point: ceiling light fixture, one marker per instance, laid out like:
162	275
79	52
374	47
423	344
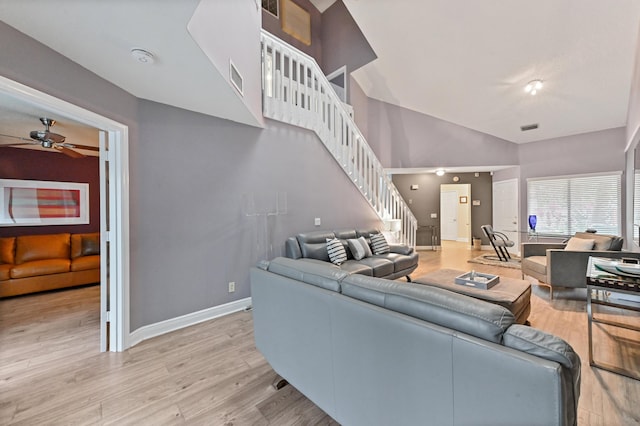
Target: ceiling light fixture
440	172
533	86
143	56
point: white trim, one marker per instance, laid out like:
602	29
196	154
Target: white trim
614	172
173	324
631	144
119	273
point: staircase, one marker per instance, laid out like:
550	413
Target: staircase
295	91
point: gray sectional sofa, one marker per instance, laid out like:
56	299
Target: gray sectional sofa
312	246
371	351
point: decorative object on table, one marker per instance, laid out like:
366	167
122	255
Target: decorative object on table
477	280
533	221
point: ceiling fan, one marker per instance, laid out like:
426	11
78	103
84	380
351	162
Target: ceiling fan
48	139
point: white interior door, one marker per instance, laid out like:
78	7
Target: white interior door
449	215
505	211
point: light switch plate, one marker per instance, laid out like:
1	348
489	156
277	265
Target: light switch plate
317	221
434	215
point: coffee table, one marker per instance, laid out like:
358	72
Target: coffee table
512	293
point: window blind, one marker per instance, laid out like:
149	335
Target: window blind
570	204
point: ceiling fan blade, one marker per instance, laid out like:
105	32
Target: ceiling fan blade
71	153
73	145
18	137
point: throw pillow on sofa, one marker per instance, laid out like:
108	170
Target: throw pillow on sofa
359	248
579	244
379	244
336	251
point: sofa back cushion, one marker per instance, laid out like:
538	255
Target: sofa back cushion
8	250
313	245
325	276
602	241
39	247
438	306
85	244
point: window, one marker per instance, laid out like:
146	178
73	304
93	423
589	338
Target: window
271	6
570	204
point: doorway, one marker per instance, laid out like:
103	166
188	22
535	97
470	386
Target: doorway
114	210
455	212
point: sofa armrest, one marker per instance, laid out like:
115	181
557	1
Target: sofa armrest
568	268
539	249
553	348
292	248
400	249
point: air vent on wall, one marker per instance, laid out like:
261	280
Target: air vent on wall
236	78
529	127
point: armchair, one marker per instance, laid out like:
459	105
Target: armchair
555	267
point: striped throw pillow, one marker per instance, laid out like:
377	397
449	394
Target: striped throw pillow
337	253
379	244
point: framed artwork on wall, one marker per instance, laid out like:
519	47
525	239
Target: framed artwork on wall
295	21
35	202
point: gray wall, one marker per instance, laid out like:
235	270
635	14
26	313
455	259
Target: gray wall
633	114
343	42
188	236
404	138
426	199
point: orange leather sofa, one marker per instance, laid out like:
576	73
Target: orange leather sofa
33	263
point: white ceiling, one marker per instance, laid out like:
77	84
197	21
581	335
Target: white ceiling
462	61
468	62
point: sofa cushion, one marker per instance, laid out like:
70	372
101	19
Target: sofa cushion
379	244
359	248
380	267
356	267
40	267
324	275
400	261
536	264
8	250
435	305
85	244
84	263
336	251
313	245
39	247
579	244
5	270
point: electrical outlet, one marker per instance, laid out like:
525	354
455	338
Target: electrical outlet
232	286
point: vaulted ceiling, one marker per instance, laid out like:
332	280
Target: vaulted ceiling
466	62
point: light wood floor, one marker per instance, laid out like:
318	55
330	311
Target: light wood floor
51	371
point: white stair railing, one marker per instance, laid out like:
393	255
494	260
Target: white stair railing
295	91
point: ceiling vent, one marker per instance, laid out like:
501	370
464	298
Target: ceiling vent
236	78
529	127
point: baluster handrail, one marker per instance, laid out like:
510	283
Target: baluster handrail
296	91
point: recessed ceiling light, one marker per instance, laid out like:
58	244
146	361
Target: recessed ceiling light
142	56
440	172
533	86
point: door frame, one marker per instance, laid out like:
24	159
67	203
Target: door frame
118	237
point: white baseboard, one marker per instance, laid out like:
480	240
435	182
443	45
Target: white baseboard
166	326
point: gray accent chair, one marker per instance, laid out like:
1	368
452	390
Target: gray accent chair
555	267
371	351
